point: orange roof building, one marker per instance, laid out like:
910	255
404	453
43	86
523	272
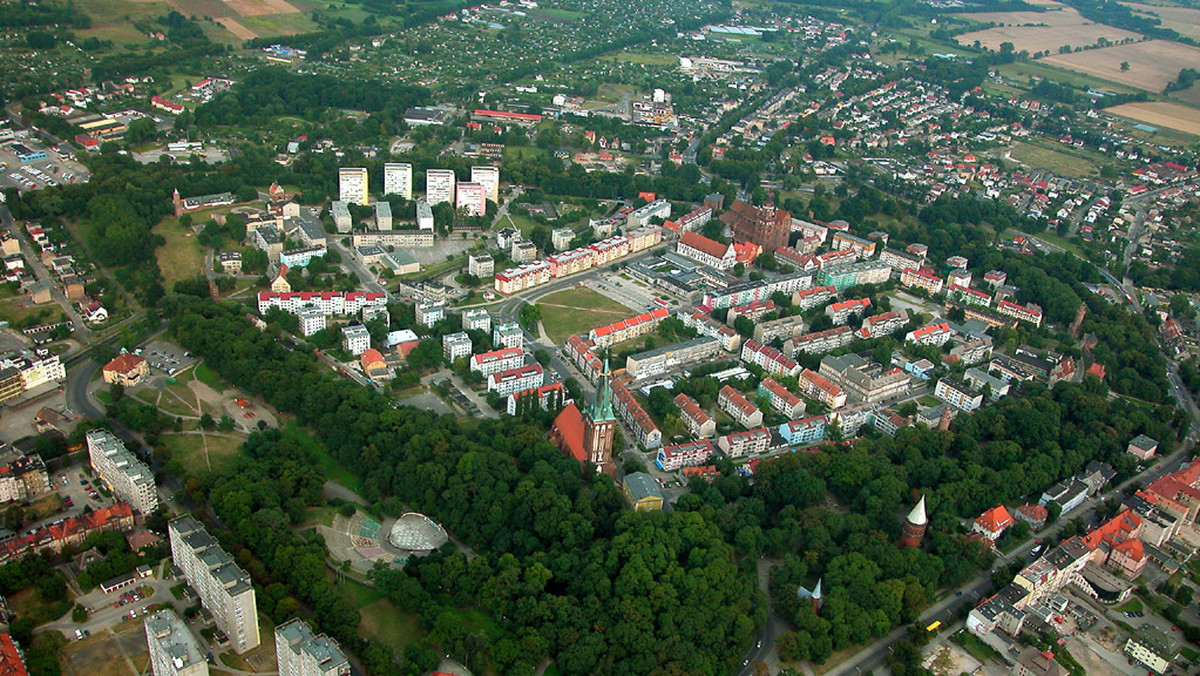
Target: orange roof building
992	523
11	663
374	365
126	369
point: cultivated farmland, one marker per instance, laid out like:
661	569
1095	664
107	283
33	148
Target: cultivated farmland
1152	64
1183	20
1035	32
1161	114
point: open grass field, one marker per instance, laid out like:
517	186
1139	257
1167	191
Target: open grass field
1152	64
384	622
1060	163
647	59
522	153
208	376
1023	72
261	659
113	19
1183	20
19	311
578	310
199	453
268	25
1038	31
180	258
1161	114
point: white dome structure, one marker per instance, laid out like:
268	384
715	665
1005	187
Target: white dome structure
415	532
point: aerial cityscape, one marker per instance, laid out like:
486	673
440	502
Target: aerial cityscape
581	337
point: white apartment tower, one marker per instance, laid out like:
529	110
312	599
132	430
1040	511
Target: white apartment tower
489	178
127	476
352	185
397	179
472	197
173	649
439	186
224	588
299	653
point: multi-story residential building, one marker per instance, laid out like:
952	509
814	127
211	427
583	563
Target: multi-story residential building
1010	369
383	216
660	360
831	259
628	329
550	397
883	324
958	394
343	221
504	359
425	218
561	238
328	302
23	479
356	339
476	319
397	179
799	256
311	320
783	328
641	216
472	197
780	398
489	178
300	653
749	442
439	186
698	423
960	278
968	296
1031	313
865	380
995	278
979	380
766	226
223	587
352	185
845	241
933	334
841	312
690	454
515	380
480	265
754	311
900	260
739	407
127	476
922	278
772	361
1045	576
173	649
809	229
816	386
811	298
456	345
748	292
429	313
507	335
523	251
706	251
705	325
846	275
630	412
1153	648
806	431
300	258
53	537
820	342
974	350
691	221
523	277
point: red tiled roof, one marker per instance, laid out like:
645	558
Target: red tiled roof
11	663
995	519
701	243
568	430
124	363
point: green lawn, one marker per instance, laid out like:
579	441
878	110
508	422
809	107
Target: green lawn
209	377
180	257
267	25
648	59
978	649
512	153
522	223
188	449
384	622
929	400
578	310
329	467
1133	606
1059	162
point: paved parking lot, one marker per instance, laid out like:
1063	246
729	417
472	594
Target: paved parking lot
167	358
36	174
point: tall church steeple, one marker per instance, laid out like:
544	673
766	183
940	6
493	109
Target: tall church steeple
600	425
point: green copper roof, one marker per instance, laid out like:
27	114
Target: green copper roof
602	408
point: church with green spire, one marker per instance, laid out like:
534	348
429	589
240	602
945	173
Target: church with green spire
588	435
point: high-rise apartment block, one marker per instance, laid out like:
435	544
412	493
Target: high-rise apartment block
173	649
489	178
397	179
299	653
224	588
472	197
352	185
439	186
128	477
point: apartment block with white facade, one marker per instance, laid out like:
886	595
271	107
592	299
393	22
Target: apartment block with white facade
958	394
223	587
471	197
128	477
476	319
356	339
298	652
397	179
352	185
173	649
455	345
489	178
515	380
439	186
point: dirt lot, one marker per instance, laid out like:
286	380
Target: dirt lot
1183	20
1152	64
1038	31
120	653
1161	114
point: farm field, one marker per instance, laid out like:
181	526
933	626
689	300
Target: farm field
1161	114
114	19
578	310
1039	31
247	19
1183	20
1152	64
267	25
